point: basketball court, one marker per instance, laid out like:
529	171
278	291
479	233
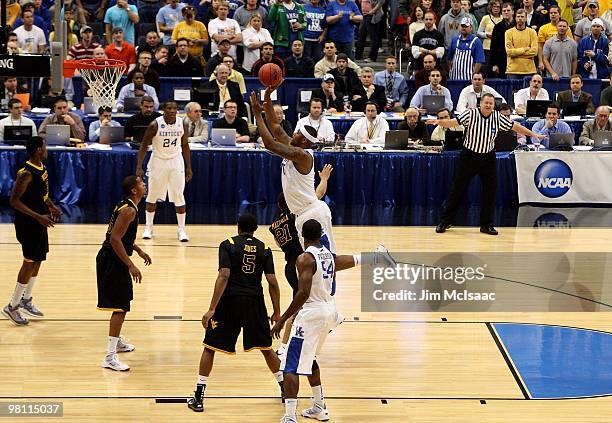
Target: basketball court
399	367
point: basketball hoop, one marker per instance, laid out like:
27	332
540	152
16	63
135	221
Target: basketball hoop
102	76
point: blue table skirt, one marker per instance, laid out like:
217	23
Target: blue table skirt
245	177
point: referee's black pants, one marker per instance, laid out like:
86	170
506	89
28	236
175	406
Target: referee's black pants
472	164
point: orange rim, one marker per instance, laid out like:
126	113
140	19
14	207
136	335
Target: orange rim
71	65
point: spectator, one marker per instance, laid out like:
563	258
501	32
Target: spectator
120	49
550	125
367	91
31	39
434	88
328	62
105	118
71	38
182	63
289	21
465	55
224	28
333	99
341	15
417	130
13	48
548	31
148	9
234	76
193	31
254	36
488	22
560	54
583	27
417	19
533	92
231	120
507	111
137	88
267	56
151	42
421	77
590	127
61	116
136	125
427	41
217	59
151	77
316	30
521	47
499	56
298	65
439	132
576	95
16	118
470	95
211	13
122	15
197	125
41	23
605	99
593	53
324	128
13	11
451	22
370	129
167	18
244	13
534	19
160	62
99	53
346	79
394	83
225	90
566	11
84	49
373	14
466	6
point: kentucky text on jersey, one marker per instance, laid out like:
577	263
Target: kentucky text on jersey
163	133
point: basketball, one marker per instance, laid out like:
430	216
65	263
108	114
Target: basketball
270	75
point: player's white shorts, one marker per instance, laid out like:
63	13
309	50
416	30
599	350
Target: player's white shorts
308	333
320	212
166	178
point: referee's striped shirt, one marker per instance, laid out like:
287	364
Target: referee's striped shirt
481	131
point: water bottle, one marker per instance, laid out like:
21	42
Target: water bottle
347	104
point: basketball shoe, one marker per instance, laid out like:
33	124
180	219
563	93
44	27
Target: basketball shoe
196	403
123	346
12	313
316	412
148	232
30	308
111	362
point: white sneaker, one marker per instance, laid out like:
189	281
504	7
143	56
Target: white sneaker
148	232
316	412
182	235
288	419
111	362
123	346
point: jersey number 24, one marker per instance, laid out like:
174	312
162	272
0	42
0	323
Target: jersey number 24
168	142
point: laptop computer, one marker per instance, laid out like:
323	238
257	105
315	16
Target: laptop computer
506	141
537	108
57	135
223	137
88	106
112	135
561	141
602	139
17	135
453	140
577	108
396	140
131	104
433	103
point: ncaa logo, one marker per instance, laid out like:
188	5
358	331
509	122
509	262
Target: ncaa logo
553	178
163	125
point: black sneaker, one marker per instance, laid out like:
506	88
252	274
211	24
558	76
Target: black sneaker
195	403
442	227
489	230
282	388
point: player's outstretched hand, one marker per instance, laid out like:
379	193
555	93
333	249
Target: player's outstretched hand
276	329
255	103
145	257
136	275
188	175
209	314
268	94
45	220
325	173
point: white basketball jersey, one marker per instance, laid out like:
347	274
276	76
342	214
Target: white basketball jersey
321	289
299	189
167	140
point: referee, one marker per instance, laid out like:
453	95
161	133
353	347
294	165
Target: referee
477	158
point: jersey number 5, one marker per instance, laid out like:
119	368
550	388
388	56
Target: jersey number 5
248	263
168	143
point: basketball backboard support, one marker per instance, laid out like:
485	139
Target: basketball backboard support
58	49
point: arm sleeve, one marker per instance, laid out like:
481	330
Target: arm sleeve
464	118
505	124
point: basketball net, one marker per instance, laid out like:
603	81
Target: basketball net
101	75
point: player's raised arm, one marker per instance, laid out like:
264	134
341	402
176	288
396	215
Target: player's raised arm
324	174
274	124
124	218
186	152
144	145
